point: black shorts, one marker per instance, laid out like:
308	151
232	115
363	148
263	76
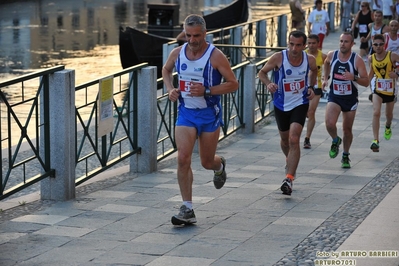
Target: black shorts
285	118
385	98
347	104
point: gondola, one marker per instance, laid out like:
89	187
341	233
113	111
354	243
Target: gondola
136	46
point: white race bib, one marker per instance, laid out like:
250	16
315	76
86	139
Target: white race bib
185	83
342	87
385	86
362	28
293	85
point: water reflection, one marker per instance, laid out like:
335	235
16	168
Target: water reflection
35	34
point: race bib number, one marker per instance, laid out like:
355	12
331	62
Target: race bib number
185	83
342	87
293	85
363	28
385	86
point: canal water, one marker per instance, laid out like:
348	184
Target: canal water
84	34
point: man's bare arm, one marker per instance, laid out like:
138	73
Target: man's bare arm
313	70
363	77
167	71
327	68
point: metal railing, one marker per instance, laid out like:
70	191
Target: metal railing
167	115
26	116
94	153
232	110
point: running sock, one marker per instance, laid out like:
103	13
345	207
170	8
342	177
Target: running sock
189	204
220	170
335	140
289	176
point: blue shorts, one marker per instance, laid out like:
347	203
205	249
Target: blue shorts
204	120
347	104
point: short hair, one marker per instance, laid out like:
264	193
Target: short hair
319	2
314	37
378	12
298	34
350	34
379	37
195	20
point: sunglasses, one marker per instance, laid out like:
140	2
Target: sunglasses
378	44
363	5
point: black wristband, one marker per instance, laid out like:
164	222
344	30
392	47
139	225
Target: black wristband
311	87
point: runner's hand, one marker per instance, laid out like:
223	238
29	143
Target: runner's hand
310	94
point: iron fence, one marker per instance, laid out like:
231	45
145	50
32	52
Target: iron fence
95	153
24	118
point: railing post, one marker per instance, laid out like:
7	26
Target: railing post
146	161
261	37
282	30
331	15
249	98
62	137
237	40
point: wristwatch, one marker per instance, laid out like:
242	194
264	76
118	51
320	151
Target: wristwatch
355	78
207	91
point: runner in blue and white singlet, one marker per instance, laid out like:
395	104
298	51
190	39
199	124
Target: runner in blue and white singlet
292	80
201	69
295	74
198	71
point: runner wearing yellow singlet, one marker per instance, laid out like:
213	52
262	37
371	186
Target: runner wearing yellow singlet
313	43
383	84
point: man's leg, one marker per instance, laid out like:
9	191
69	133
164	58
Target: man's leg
284	144
290	146
377	102
389	113
347	123
321	39
207	145
185	140
312	116
389	116
294	150
332	113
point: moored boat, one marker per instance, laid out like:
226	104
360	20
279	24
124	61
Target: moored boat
136	46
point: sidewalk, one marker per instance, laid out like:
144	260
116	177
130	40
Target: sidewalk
125	219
